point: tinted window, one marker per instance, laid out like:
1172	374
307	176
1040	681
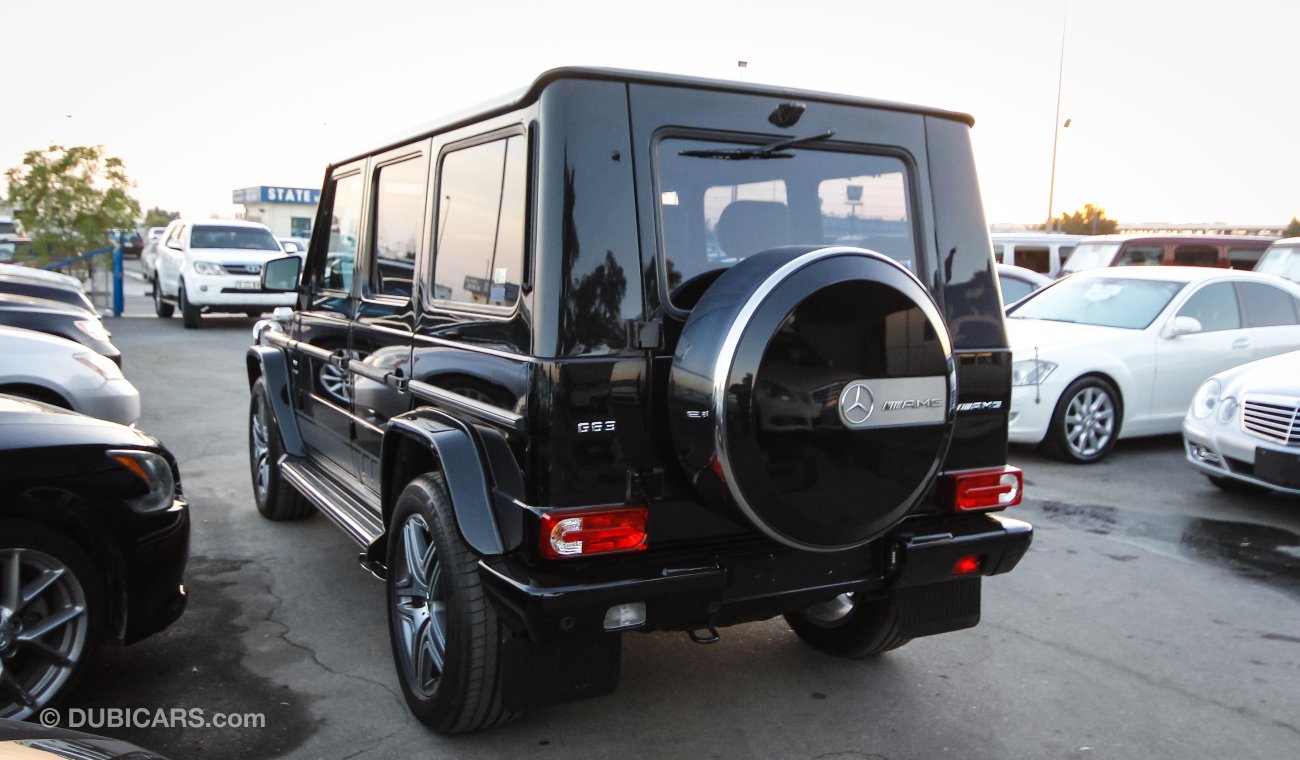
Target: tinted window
1196	256
399	224
997	252
243	238
714	212
479	239
1037	258
345	227
1013	289
1214	306
1244	258
1266	305
1102	301
1140	256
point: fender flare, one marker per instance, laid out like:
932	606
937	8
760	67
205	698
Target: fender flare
468	461
271	364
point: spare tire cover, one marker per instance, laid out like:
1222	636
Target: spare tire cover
812	390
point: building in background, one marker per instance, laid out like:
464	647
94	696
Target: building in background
288	211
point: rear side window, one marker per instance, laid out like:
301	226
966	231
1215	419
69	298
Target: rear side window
399	225
1196	256
1214	306
1266	306
1141	256
1037	258
715	211
479	237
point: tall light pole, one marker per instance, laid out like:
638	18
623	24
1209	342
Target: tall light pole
1056	123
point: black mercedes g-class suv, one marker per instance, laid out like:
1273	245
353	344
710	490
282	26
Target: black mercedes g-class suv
632	352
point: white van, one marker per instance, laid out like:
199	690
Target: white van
1043	252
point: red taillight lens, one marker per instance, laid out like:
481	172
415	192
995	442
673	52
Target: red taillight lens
584	533
967	565
987	489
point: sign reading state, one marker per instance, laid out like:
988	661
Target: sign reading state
264	194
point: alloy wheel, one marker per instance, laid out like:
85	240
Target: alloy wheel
44	626
260	438
1089	422
420	607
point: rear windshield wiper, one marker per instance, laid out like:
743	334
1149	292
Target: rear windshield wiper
760	151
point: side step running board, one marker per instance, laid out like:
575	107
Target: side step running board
357	520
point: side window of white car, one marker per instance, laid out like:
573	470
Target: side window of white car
1214	306
1267	306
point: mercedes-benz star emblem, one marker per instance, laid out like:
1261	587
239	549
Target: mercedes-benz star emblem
856	403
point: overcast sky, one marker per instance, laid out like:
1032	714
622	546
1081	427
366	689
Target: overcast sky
1180	111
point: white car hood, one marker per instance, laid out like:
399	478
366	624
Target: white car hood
1024	335
1275	375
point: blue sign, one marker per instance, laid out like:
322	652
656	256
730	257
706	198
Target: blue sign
265	194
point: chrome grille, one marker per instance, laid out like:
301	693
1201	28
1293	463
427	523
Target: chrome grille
242	268
1274	419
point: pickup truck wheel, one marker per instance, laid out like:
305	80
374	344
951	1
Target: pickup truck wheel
161	307
190	314
849	626
444	631
51	613
275	498
1085	424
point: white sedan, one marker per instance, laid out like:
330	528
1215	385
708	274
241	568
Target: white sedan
1243	428
1119	353
59	372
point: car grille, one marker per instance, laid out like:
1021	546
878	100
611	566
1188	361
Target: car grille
242	268
1276	419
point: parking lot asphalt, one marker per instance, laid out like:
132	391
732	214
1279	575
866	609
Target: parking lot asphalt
1154	617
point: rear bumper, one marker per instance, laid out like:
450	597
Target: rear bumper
689	591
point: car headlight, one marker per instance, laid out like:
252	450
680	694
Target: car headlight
106	368
155	472
1206	399
1227	410
94	328
207	267
1031	371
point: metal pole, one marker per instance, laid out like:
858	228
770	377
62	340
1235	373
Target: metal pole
1056	125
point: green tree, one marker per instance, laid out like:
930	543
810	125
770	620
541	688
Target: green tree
1089	221
1292	229
69	198
157	217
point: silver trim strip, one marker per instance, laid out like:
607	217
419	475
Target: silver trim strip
360	529
467	405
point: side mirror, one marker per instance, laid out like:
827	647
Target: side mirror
1183	326
281	274
174	244
290	247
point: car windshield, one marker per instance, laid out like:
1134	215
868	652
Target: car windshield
244	238
721	201
1091	256
1283	261
1102	301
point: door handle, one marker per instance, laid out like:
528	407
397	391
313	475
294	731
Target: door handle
1241	343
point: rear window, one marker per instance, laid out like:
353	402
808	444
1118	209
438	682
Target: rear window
242	238
1196	256
1035	257
715	211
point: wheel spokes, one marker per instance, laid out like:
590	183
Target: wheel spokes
57	620
9	594
38	585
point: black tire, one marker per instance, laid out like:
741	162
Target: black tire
45	681
275	498
190	314
161	307
1232	485
442	595
849	626
1086	422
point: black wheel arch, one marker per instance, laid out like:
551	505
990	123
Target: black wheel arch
272	366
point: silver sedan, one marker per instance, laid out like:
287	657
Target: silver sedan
57	371
1243	428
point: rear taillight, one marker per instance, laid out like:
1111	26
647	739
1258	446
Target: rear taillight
980	490
596	531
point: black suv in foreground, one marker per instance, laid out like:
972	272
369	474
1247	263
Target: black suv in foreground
631	352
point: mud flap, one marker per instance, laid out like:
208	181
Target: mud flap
938	607
535	674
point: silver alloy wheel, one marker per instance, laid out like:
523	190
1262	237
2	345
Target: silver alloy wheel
1089	422
260	438
420	607
44	626
831	613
